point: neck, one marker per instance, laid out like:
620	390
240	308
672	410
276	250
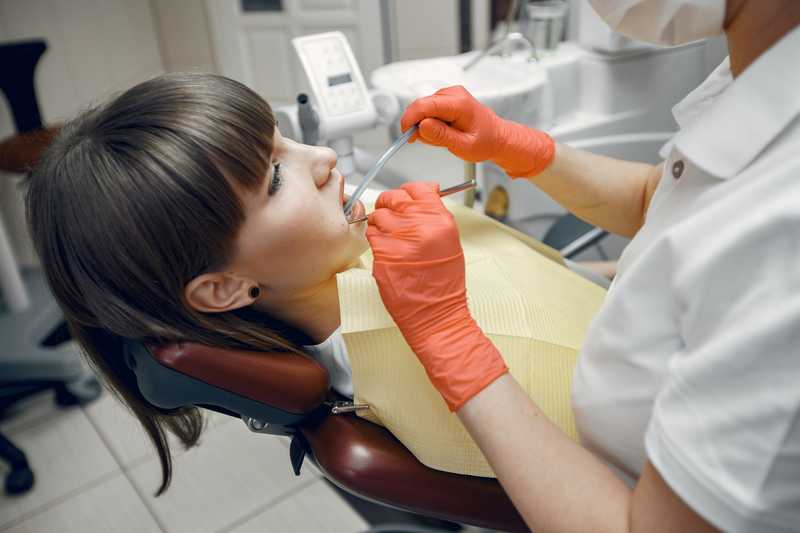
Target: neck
753	26
314	311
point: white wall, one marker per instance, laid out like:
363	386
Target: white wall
429	28
481	17
183	35
95	48
424	28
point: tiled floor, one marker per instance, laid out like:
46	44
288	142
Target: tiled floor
95	472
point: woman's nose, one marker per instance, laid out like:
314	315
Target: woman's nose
324	162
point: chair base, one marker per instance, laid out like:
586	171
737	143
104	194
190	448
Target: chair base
35	358
20	479
24	355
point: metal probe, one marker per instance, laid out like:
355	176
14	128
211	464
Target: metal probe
444	192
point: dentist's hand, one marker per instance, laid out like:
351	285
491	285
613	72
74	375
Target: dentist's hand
453	118
419	267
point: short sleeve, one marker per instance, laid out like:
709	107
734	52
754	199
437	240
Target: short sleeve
724	432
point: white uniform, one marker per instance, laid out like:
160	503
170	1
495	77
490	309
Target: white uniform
694	360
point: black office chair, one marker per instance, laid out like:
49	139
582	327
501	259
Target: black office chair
31	360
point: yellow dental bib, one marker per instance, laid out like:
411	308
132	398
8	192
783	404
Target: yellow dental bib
534	309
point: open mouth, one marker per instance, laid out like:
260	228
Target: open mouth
358	209
357	212
342	198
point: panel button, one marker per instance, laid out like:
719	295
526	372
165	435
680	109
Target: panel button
677	169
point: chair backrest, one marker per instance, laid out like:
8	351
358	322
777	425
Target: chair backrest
276	388
19	60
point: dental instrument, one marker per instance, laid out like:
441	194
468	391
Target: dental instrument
444	192
309	120
403	139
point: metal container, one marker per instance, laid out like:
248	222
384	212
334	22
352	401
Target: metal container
545	22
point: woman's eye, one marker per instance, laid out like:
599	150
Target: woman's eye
275	182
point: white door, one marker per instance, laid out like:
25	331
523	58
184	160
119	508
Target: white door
252	39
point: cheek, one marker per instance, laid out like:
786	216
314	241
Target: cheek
312	241
321	223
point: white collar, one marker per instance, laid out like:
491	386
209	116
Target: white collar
725	124
324	345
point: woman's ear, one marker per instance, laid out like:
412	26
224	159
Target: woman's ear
218	292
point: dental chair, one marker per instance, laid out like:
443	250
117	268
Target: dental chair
289	394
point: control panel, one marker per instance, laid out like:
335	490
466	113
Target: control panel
340	95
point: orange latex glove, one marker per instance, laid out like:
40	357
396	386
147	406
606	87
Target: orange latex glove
419	267
453	118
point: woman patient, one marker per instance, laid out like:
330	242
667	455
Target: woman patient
177	211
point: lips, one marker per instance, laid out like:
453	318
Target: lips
342	196
358	210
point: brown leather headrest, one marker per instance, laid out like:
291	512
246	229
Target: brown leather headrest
288	381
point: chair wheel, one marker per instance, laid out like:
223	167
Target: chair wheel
19	481
81	393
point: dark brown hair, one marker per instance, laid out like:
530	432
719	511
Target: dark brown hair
135	198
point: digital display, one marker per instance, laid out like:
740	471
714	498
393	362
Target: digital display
339	79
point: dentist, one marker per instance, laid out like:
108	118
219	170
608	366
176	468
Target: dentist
687	390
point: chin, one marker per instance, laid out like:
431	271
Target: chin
353	258
358	231
360	244
364	244
357	244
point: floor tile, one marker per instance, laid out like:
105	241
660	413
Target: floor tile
315	508
65	454
232	473
119	429
124	435
30	411
109	506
